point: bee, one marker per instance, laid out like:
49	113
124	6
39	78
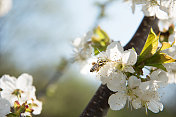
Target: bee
98	65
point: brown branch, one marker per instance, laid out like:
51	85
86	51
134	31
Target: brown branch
142	32
98	105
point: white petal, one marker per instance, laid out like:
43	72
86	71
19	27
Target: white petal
5	6
159	79
24	81
28	94
163	79
136	103
104	73
161	14
114	51
77	42
117	101
128	69
172	37
154	74
172	77
129	57
8	82
117	45
164	25
117	82
148	11
26	114
37	109
144	85
155	106
133	82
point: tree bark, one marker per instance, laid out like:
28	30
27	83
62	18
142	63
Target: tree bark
98	105
139	38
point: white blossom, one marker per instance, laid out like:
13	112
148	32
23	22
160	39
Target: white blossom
138	95
164	10
14	89
82	47
5	6
118	62
157	80
20	89
169	6
153	9
118	100
116	81
151	100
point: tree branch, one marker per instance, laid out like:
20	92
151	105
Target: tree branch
98	105
139	38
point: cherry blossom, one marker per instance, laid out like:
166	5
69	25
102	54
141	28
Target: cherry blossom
82	49
118	100
5	6
20	91
118	62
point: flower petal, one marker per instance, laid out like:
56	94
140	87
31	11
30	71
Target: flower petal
114	51
117	101
24	81
136	103
117	82
145	85
104	72
129	57
8	82
38	108
155	106
128	69
133	82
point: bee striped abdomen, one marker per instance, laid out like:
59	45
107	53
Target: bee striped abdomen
97	66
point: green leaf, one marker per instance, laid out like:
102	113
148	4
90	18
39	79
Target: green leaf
158	59
165	45
150	46
11	115
100	40
166	58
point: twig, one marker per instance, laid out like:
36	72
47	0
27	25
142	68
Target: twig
60	70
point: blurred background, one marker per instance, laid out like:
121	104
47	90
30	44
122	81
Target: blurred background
36	38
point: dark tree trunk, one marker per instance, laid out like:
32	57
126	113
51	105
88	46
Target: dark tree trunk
98	105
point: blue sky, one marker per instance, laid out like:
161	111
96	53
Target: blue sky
44	29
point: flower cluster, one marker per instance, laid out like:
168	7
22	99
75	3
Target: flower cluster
92	43
122	71
164	10
119	75
18	96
